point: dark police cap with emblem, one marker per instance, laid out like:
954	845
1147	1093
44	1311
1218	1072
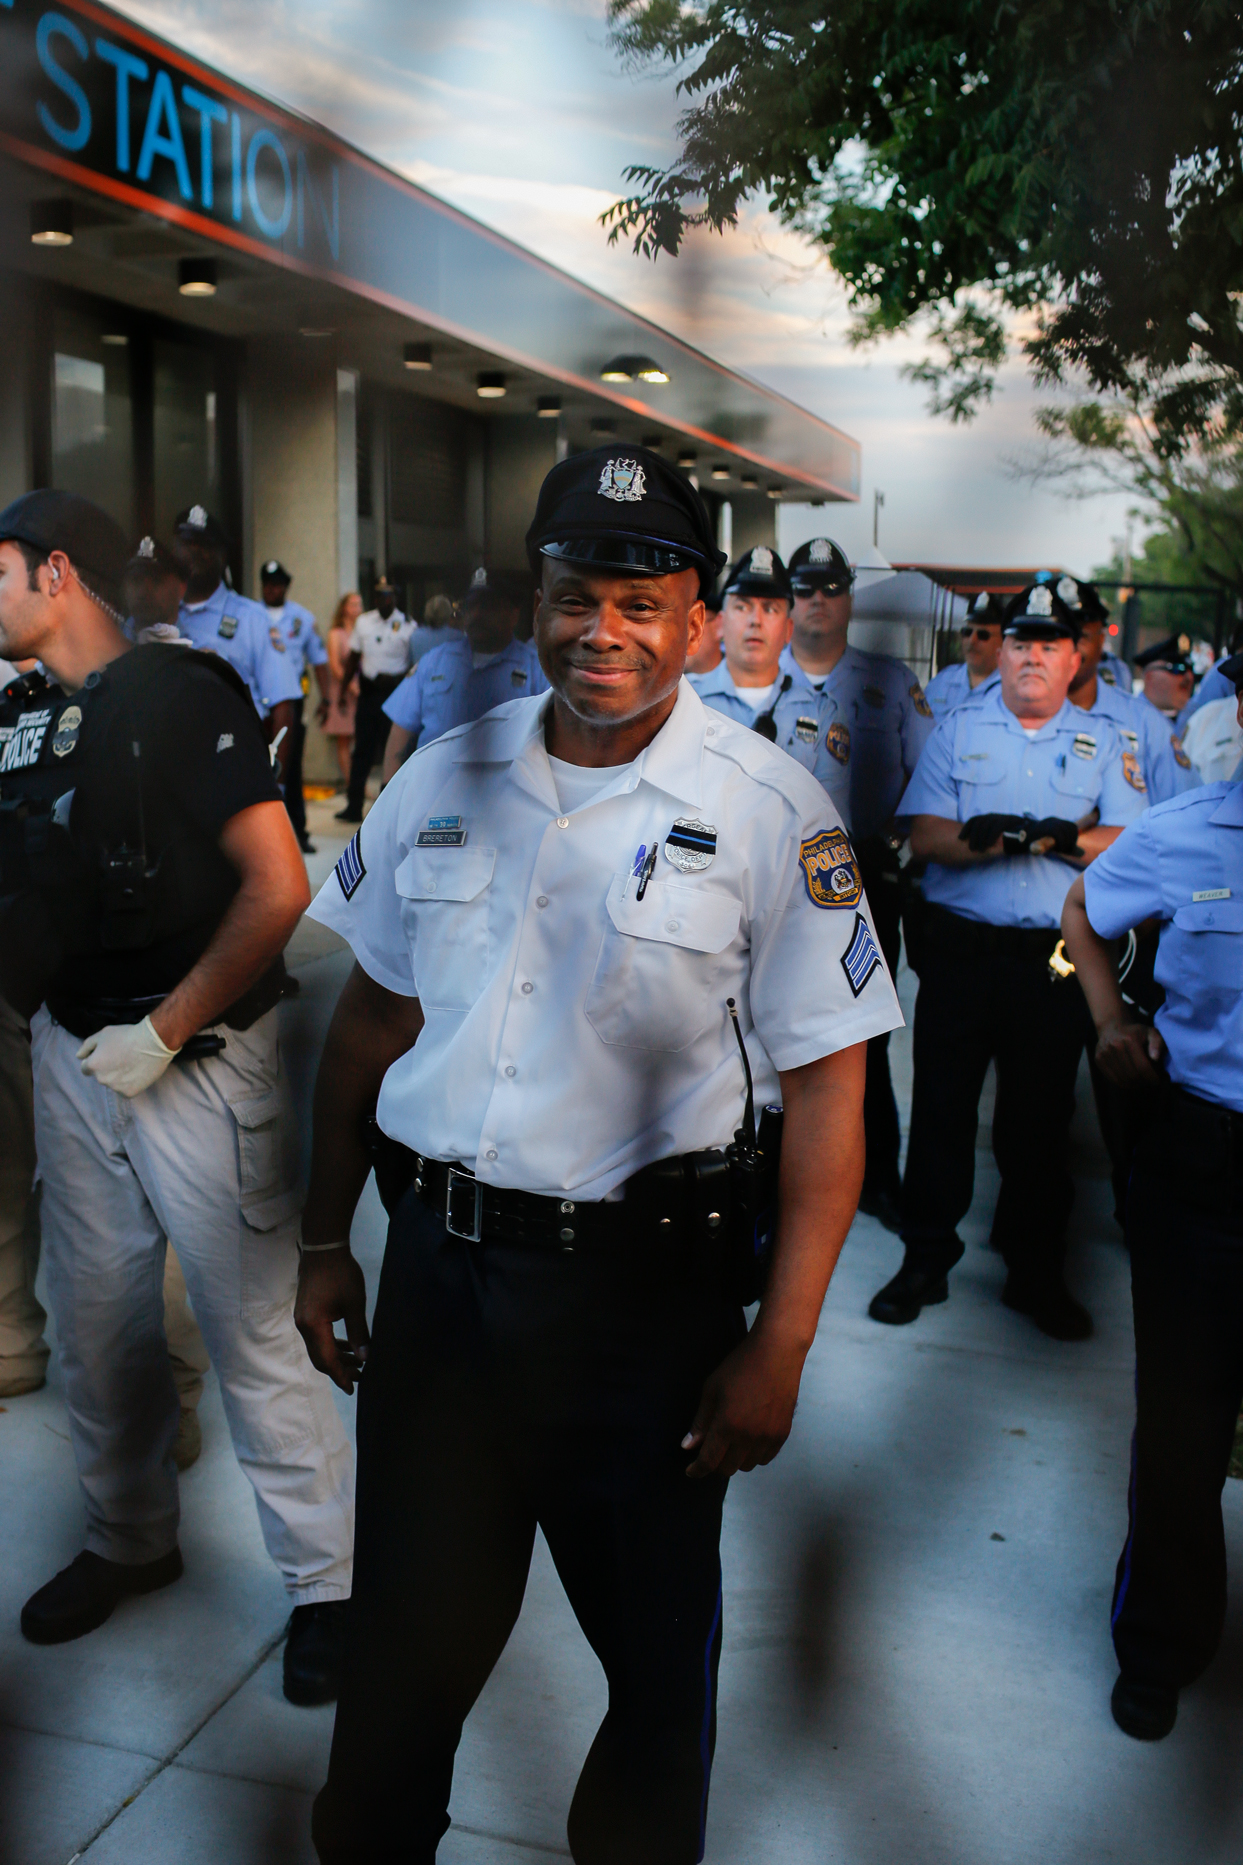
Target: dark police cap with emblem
274	572
498	586
985	609
48	521
197	526
1232	669
1038	613
154	559
820	564
623	508
758	572
1083	598
1174	652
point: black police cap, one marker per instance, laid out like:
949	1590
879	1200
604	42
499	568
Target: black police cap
48	521
1082	598
623	508
986	608
197	526
758	572
820	564
152	558
1038	613
1174	652
500	585
1232	669
274	572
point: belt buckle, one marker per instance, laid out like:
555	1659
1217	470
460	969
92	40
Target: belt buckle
464	1193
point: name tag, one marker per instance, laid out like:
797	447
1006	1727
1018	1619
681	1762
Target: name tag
441	838
1212	893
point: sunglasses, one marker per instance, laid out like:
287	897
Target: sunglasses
980	631
829	589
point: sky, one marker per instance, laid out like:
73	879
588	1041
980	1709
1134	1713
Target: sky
521	113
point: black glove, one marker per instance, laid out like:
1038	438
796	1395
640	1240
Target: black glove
980	832
1063	835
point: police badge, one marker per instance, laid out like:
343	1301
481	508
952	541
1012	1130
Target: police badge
67	728
761	561
837	742
690	845
622	480
830	870
277	639
806	730
228	627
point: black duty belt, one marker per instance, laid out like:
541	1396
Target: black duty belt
1202	1121
955	936
86	1016
657	1198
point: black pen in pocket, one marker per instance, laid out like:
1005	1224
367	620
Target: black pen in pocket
645	872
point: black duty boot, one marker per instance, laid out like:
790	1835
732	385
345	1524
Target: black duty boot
884	1203
920	1283
313	1652
1050	1304
1145	1711
84	1594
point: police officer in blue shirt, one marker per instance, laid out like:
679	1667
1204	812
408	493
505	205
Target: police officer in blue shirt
1010	797
976	673
881	725
1157	763
292	631
1214	685
750	684
1181	863
467	675
216	617
1169	677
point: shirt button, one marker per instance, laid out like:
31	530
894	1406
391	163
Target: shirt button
431	887
711	732
491	1153
671	925
511	1070
542	900
527	989
563	822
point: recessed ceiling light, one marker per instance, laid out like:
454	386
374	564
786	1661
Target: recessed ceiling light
51	223
417	356
115	338
775	492
749	481
687	459
196	278
548	407
489	385
720	472
314	330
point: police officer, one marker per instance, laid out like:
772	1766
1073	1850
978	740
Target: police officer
1182	864
468	674
1154	760
439	625
1214	685
710	650
976	672
559	902
750	684
292	631
880	727
380	648
1169	677
1011	795
214	616
151	881
153	589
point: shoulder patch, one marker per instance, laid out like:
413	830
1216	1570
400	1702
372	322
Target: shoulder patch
920	701
1132	772
351	870
837	742
860	959
1180	756
830	871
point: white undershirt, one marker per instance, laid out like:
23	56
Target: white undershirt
482	660
580	783
757	697
1032	731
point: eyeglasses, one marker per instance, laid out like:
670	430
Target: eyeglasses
980	631
829	589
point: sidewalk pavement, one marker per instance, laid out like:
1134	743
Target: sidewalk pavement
916	1660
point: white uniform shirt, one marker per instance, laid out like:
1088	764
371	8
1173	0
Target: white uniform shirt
383	644
1214	740
575	1033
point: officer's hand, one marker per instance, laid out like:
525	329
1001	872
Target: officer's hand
982	834
331	1288
127	1057
746	1409
1054	835
321	712
1131	1054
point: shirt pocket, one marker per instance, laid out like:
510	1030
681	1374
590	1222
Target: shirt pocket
446	897
1209	943
654	978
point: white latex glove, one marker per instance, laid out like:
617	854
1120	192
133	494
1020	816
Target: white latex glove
125	1056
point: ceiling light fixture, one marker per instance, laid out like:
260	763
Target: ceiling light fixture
775	492
315	330
196	278
686	460
749	481
548	407
489	385
115	339
417	355
51	223
720	472
633	369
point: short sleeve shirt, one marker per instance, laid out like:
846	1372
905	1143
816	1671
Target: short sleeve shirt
980	762
881	725
952	687
238	630
575	1032
803	719
1182	863
295	627
1213	686
1165	768
382	643
1214	741
447	689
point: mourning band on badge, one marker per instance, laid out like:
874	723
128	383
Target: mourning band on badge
1084	745
690	845
860	959
350	869
830	871
228	627
807	730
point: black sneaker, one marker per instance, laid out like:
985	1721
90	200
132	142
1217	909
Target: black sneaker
307	846
88	1591
347	815
1145	1711
313	1652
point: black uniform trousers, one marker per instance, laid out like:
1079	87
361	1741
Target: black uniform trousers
1184	1227
506	1388
295	742
880	870
985	994
371	729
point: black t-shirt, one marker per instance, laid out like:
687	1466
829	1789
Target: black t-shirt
167	748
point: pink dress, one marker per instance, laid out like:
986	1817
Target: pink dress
341	707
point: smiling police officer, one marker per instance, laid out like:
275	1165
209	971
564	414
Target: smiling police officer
560	903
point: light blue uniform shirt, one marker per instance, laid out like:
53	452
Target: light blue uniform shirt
882	723
296	627
447	689
1182	863
952	686
1146	734
1114	673
237	629
424	639
1213	686
1177	724
980	762
802	717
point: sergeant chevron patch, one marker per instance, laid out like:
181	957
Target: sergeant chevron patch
860	959
350	870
